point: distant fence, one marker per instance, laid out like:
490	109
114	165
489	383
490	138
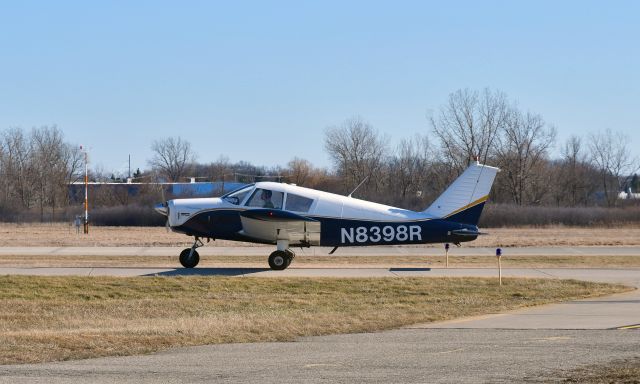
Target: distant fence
494	215
130	215
171	190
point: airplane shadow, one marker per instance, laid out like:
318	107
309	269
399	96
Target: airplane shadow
209	272
409	269
242	271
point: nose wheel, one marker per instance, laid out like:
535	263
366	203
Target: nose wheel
189	257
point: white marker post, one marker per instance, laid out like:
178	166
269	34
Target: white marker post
498	255
446	253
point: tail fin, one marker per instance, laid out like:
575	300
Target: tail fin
463	201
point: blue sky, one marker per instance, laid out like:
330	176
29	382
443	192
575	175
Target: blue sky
260	81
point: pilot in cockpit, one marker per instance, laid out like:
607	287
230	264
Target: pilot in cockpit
266	199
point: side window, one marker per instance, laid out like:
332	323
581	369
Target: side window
298	203
265	198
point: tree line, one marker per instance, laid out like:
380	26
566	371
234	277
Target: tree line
38	165
483	125
36	168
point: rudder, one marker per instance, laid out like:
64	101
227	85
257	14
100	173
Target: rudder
464	199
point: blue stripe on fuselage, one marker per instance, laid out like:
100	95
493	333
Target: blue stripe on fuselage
225	224
345	232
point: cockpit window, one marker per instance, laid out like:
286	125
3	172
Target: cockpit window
237	196
266	198
298	203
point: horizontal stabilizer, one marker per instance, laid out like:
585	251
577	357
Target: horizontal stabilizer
466	232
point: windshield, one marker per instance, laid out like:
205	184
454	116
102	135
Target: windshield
236	197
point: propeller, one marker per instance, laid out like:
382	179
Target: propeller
166	204
167	226
163	208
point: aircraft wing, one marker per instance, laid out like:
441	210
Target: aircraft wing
271	225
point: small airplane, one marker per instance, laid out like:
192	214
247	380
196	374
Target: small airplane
287	216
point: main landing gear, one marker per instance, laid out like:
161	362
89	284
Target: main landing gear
282	257
189	257
278	260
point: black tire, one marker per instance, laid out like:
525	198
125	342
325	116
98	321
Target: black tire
189	262
279	260
291	255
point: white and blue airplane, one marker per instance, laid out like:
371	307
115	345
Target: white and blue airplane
287	216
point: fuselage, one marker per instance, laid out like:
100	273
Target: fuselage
343	221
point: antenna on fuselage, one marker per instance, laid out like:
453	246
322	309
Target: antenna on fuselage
359	185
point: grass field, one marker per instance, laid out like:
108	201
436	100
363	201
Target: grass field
50	235
59	318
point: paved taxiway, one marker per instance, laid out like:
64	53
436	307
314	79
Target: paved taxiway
323	251
400	356
517	346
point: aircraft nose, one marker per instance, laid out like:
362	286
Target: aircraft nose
162	208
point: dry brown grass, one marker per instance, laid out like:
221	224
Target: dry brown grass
559	236
59	318
50	235
58	235
68	261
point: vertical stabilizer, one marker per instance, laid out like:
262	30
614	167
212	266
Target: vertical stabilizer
464	199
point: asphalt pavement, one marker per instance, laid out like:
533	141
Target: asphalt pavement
260	250
400	356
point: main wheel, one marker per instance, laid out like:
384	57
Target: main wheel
189	261
291	255
279	260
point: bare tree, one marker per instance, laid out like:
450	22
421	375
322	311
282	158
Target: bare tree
47	147
17	167
522	153
219	170
571	173
299	171
611	156
410	165
357	151
172	157
467	126
574	181
36	169
55	164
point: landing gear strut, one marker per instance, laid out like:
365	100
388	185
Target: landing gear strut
189	257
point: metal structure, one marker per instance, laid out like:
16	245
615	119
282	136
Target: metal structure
86	190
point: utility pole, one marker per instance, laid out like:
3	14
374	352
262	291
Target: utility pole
86	191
